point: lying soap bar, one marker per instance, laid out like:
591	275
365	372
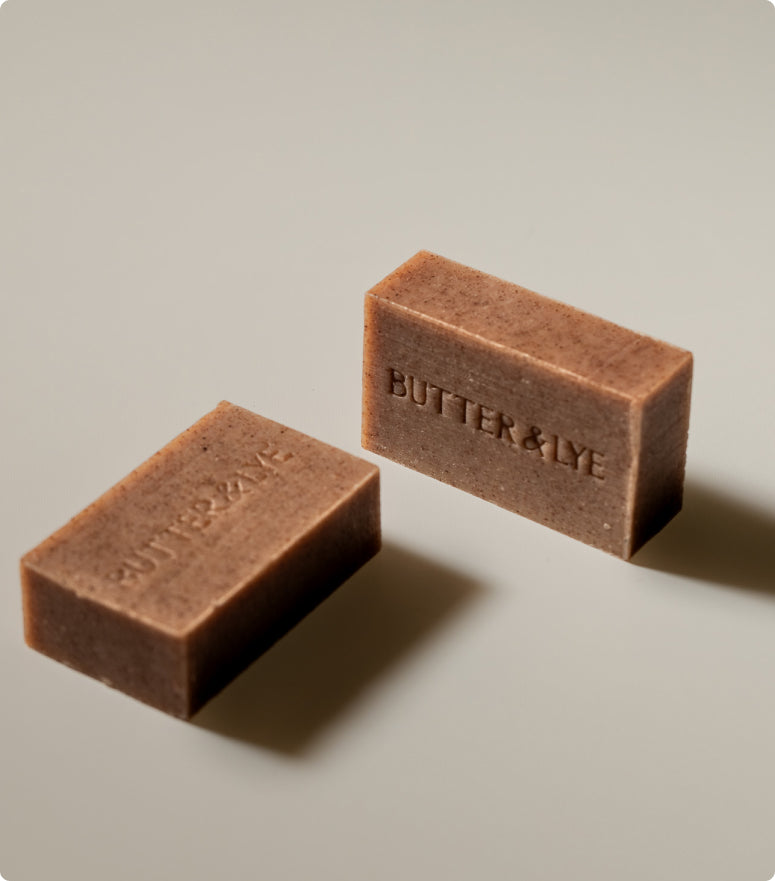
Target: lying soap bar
543	409
181	574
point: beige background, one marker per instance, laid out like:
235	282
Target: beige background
193	198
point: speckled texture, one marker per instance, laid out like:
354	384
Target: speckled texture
543	409
181	574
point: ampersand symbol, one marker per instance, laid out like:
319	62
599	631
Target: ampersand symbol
534	441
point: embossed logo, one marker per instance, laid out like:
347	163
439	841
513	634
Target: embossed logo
551	448
204	510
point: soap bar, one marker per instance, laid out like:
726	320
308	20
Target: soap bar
184	572
551	412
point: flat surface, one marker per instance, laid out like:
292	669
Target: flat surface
530	324
194	198
238	489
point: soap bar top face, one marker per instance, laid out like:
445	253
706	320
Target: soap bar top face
595	351
543	409
194	524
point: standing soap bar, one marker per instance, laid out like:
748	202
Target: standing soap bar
173	581
543	409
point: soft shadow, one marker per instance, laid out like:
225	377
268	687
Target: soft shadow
288	697
718	538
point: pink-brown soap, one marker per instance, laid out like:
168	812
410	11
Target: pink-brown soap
558	415
179	576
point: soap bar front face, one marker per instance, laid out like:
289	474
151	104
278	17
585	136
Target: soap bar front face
179	576
545	410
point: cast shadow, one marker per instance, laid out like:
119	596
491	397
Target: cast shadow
717	538
290	695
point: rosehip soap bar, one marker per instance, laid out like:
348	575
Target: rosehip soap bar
184	572
543	409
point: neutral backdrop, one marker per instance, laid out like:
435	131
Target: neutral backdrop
193	198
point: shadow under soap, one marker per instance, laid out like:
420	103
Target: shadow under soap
286	699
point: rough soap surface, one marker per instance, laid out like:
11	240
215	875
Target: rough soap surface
181	574
543	409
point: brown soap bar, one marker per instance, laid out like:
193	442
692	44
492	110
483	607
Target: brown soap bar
543	409
180	575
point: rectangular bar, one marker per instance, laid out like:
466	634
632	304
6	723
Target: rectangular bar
548	411
179	576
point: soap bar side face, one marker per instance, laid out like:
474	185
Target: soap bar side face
662	461
120	651
499	425
290	588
